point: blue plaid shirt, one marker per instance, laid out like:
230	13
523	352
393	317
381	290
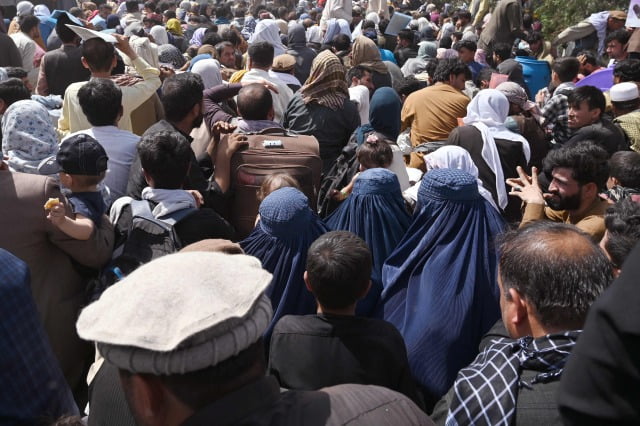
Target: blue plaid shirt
556	113
33	388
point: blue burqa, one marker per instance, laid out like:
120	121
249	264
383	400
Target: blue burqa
439	285
286	229
375	211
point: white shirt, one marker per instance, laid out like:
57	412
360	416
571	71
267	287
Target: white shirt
281	99
74	120
360	95
27	48
120	146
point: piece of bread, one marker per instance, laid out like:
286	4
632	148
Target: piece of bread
51	202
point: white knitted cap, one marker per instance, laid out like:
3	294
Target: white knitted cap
180	313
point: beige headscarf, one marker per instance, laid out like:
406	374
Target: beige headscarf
365	53
326	84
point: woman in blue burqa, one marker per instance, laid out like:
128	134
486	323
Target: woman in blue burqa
439	284
375	211
286	229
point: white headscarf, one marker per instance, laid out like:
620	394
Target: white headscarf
487	112
268	30
28	136
314	35
335	27
145	49
159	35
41	10
209	70
24	8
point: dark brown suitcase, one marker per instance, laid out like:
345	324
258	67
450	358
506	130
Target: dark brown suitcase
297	155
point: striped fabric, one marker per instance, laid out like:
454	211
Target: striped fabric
326	84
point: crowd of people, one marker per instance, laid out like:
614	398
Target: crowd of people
458	247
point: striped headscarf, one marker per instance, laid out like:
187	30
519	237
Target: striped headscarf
326	84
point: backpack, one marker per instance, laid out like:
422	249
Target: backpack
148	238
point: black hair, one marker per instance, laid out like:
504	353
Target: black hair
408	85
408	35
567	68
534	36
211	38
28	22
65	33
621	35
622	222
366	24
383	24
98	53
446	42
76	11
341	42
357	72
232	36
627	70
448	67
254	102
16	72
221	46
467	44
589	57
170	14
374	153
13	90
165	156
101	101
502	50
484	75
261	54
180	93
556	268
150	5
464	14
589	94
338	269
132	6
625	167
587	160
430	67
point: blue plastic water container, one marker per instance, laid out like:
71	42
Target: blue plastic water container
537	74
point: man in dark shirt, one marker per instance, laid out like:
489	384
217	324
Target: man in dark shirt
586	105
165	158
406	47
334	347
545	294
63	66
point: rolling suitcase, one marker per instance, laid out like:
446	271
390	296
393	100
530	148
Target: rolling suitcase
271	151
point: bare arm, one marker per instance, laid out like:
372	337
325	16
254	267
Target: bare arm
79	228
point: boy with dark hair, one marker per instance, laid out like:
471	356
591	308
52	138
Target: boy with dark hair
81	164
616	46
314	351
101	102
505	64
100	58
466	50
622	221
555	109
586	107
624	176
165	157
406	47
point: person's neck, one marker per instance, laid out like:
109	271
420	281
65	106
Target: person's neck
185	126
348	311
260	69
101	74
90	188
584	207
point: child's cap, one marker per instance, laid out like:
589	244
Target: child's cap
78	155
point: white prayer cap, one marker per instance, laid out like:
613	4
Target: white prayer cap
623	92
180	313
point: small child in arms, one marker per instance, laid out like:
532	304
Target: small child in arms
81	164
374	152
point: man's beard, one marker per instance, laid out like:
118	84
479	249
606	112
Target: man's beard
197	122
570	202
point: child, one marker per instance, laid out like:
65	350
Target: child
272	182
374	152
336	346
81	164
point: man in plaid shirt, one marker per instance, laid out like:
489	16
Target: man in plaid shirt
555	109
549	274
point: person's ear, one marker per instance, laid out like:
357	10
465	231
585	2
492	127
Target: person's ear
145	394
271	114
306	281
595	114
614	180
85	63
147	178
517	309
590	190
365	291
